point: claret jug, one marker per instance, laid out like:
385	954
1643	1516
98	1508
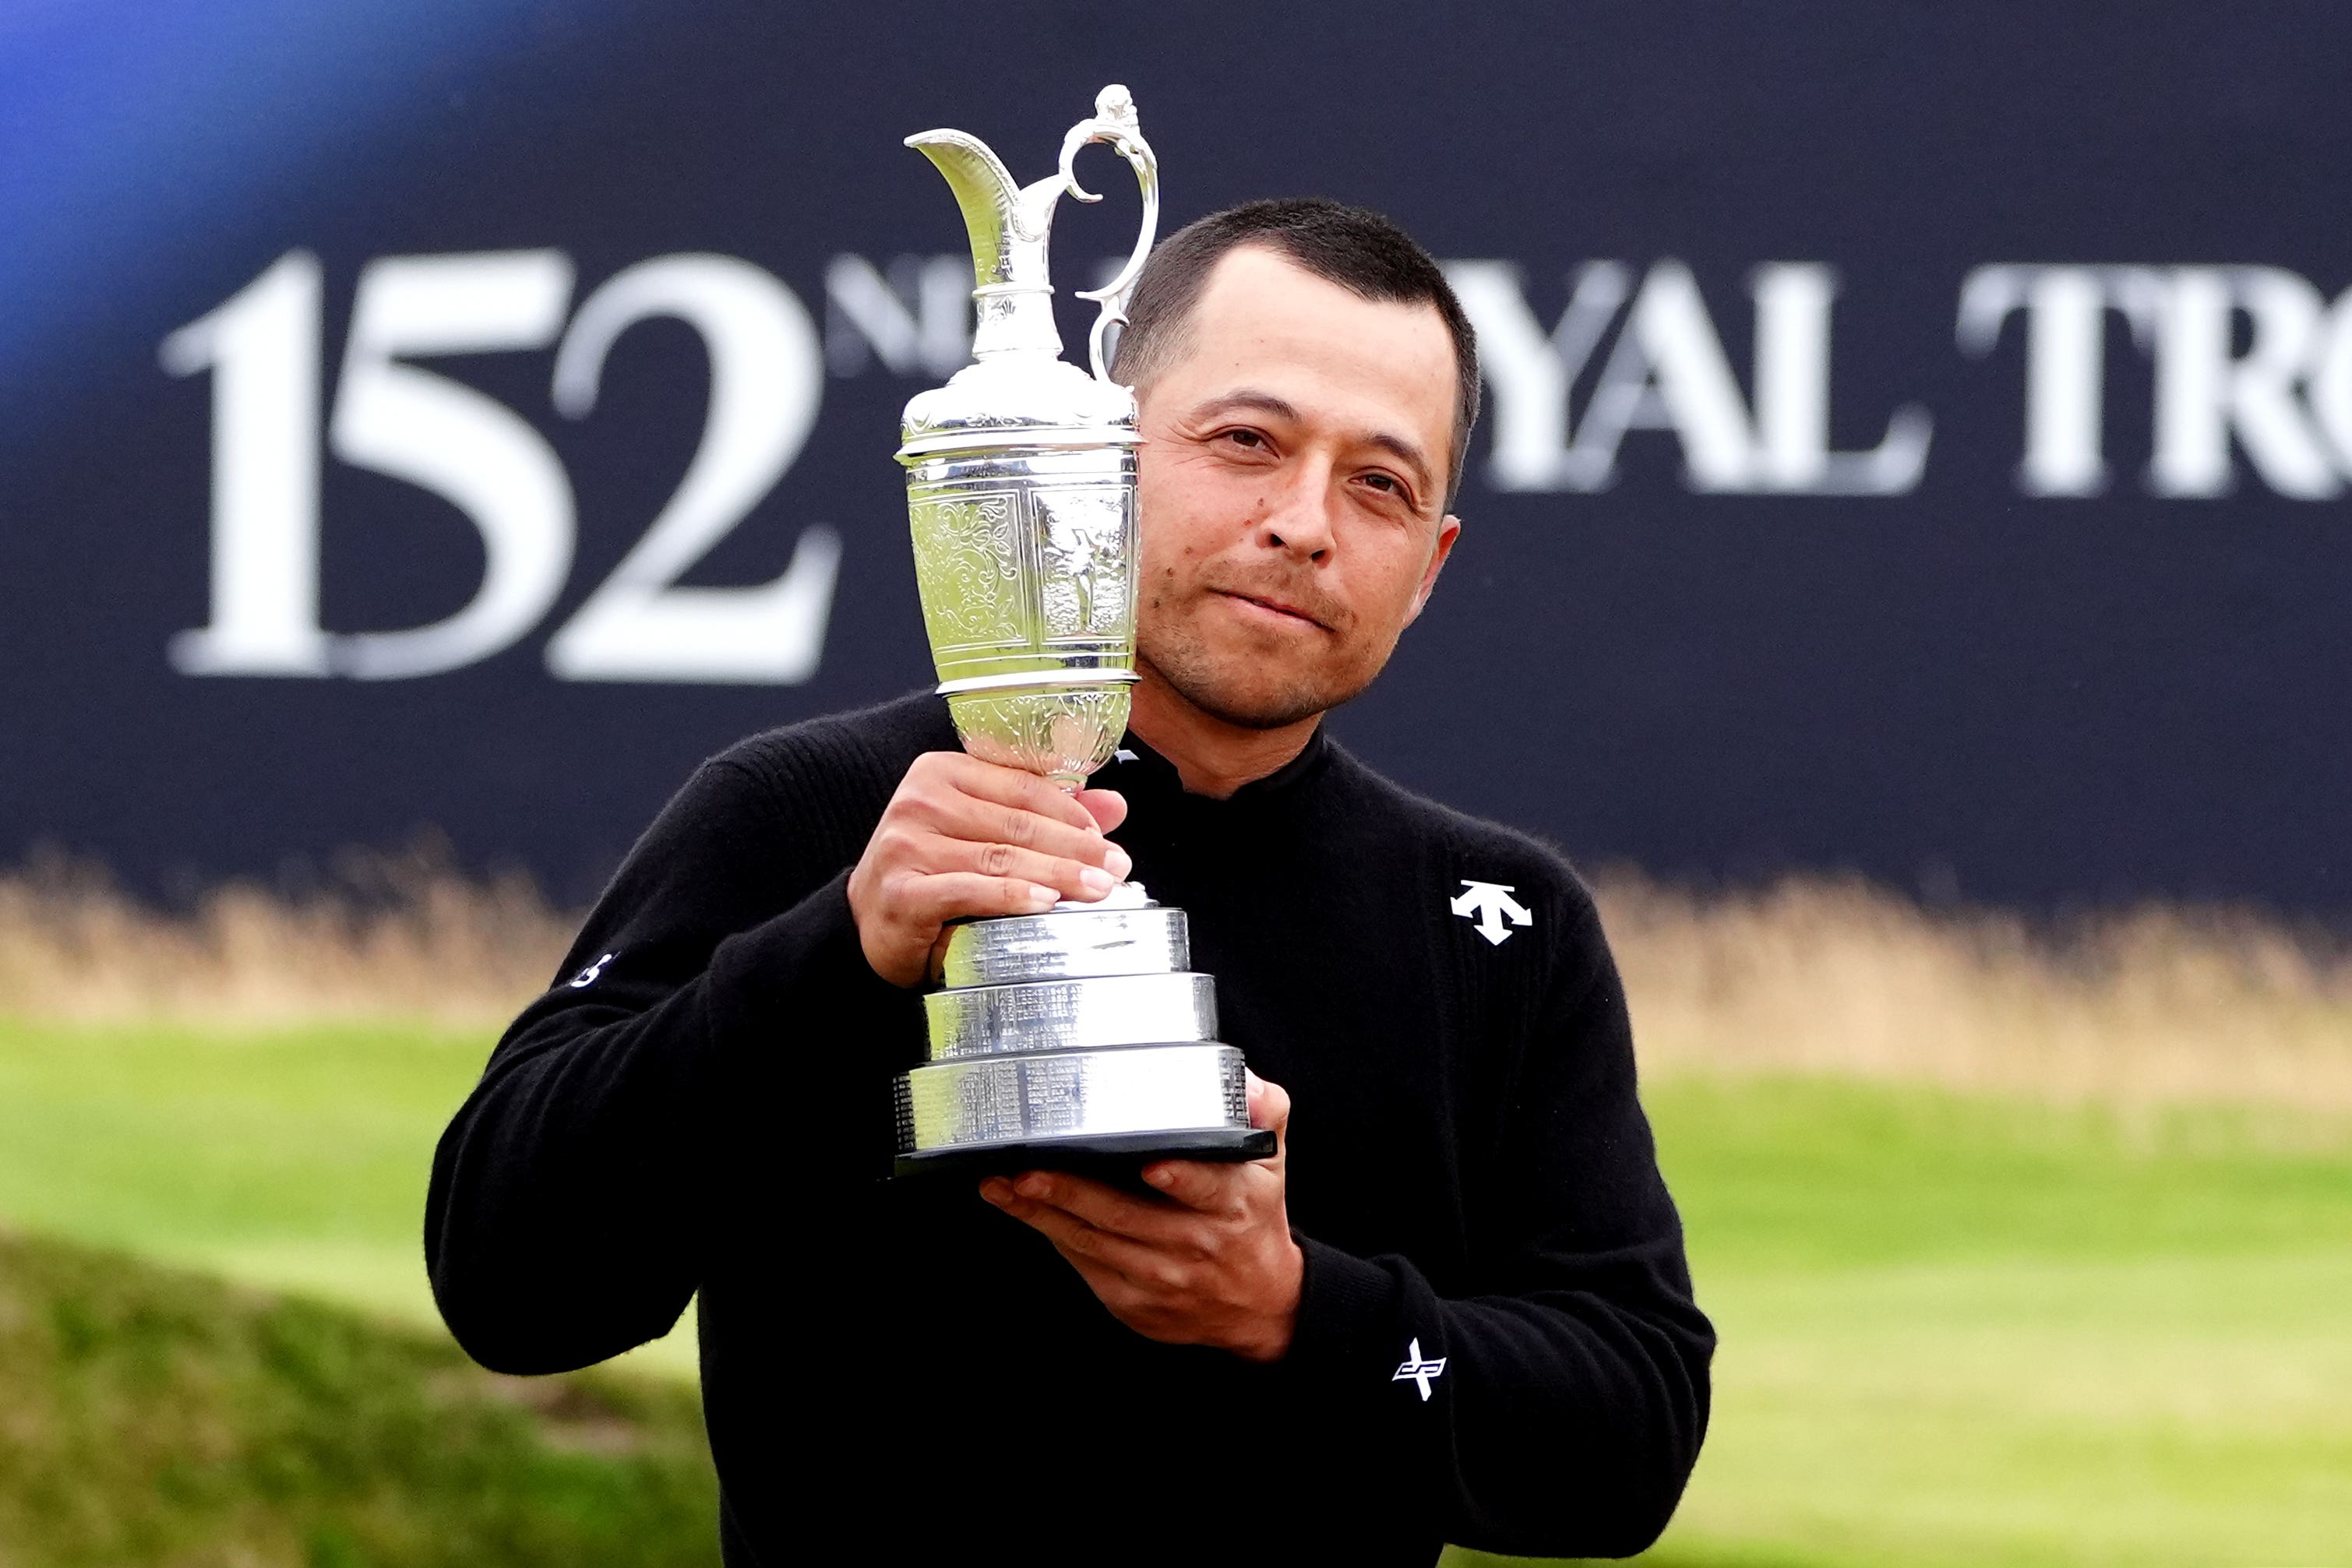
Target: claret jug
1081	1035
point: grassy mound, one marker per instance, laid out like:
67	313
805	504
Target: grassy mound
151	1417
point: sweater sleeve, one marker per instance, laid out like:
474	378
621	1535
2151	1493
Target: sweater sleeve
1573	1392
571	1193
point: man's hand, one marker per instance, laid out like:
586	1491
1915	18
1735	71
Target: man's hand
964	838
1209	1261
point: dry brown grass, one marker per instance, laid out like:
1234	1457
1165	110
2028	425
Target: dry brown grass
2151	1007
392	938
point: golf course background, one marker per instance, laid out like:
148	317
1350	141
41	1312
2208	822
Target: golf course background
2028	1246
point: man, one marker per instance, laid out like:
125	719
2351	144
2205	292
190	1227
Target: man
1454	1306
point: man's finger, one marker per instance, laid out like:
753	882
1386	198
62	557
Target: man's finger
1024	790
1104	1207
967	819
1075	879
966	894
1074	1237
1198	1185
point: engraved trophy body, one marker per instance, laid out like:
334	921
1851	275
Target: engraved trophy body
1081	1034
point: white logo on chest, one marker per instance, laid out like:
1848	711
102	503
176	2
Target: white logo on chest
1418	1370
589	975
1490	904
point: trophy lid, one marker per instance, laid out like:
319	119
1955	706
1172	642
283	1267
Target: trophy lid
1019	392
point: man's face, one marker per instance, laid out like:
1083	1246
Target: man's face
1293	488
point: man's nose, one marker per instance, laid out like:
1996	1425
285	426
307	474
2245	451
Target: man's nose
1297	518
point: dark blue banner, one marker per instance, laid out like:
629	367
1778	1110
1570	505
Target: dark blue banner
1917	440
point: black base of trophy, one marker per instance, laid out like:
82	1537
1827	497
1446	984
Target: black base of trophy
1113	1156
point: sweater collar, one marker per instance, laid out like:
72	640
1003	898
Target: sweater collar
1137	770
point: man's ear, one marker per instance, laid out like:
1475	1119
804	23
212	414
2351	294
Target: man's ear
1448	527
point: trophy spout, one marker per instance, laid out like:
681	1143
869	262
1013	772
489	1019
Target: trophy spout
985	192
1010	227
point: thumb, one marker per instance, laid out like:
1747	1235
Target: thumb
1107	807
1269	1106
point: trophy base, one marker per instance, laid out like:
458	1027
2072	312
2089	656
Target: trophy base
1112	1154
1136	1101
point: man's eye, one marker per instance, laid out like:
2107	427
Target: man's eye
1246	438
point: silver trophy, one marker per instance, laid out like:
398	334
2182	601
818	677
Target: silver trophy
1081	1035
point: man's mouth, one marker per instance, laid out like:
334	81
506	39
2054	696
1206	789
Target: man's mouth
1273	607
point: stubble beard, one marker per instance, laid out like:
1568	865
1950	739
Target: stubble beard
1189	671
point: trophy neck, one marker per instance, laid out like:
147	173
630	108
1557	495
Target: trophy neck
1012	306
1014	319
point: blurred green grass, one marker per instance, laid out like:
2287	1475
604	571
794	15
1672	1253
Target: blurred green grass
1970	1332
292	1158
158	1416
1957	1330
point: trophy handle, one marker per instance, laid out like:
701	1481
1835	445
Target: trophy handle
1115	122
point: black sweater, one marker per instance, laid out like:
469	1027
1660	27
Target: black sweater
702	1103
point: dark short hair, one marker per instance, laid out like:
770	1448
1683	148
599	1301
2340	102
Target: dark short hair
1354	247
